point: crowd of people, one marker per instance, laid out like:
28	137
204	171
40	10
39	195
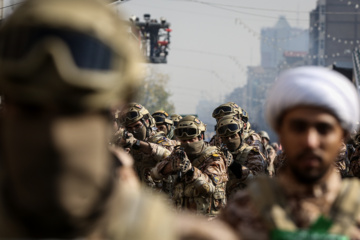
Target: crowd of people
80	160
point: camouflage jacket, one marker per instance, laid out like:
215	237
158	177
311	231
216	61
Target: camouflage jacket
204	191
279	162
161	148
342	162
252	163
251	138
355	163
271	153
301	204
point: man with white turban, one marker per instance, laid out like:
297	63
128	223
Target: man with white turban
312	109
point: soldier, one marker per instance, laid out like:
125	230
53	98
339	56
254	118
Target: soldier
201	171
312	109
248	161
164	124
147	146
61	72
271	153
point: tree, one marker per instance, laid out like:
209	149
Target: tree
154	94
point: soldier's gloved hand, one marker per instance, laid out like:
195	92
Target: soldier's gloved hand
128	140
180	161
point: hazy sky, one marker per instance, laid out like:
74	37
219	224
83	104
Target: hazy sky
209	49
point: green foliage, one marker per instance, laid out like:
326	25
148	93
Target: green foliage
153	93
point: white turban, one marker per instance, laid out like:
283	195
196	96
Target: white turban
314	86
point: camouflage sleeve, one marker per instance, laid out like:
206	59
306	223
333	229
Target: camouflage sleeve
270	160
214	173
354	167
156	172
241	214
341	163
158	152
254	165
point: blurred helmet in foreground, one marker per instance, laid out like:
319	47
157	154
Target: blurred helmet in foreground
71	53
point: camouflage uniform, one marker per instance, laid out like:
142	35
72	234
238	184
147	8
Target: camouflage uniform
252	164
355	163
342	162
248	215
204	191
161	149
279	162
271	158
247	160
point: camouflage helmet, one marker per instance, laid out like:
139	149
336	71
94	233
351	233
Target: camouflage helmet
202	126
264	134
136	112
244	116
229	125
161	117
189	127
77	53
229	108
176	118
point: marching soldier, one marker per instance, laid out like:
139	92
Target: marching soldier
247	163
270	151
164	124
200	169
61	72
147	146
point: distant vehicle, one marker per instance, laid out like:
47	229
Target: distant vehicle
153	36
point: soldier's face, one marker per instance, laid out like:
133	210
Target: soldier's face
162	128
264	141
311	138
232	142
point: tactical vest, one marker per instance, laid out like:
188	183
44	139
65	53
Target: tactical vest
185	196
270	201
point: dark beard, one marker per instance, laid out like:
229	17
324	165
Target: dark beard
304	176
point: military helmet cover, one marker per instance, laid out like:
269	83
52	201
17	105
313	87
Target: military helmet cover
87	43
162	117
189	127
136	112
229	108
264	134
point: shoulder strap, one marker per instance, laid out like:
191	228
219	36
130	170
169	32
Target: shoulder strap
346	208
204	155
271	204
